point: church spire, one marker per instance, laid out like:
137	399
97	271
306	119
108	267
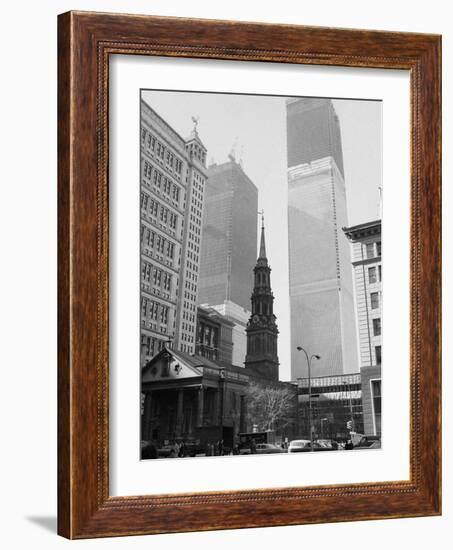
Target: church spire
262	332
262	255
262	258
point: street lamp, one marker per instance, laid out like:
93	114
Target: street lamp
350	407
322	426
309	359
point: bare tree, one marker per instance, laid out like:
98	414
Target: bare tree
270	406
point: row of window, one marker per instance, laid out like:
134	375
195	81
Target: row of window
198	184
189	296
188	316
157	242
192	266
154	146
187	337
196	230
188	306
373	249
159	277
197	204
378	353
376	327
157	210
374	299
191	286
151	345
192	256
195	219
152	310
375	275
197	151
161	182
192	275
208	335
193	246
186	326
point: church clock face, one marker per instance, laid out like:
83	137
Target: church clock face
256	318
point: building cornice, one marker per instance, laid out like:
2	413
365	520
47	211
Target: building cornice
363	230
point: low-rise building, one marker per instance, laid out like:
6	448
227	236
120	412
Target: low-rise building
336	405
214	335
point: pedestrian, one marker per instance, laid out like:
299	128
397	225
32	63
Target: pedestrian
182	449
175	449
253	447
221	447
334	445
349	446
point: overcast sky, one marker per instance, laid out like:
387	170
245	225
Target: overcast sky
254	128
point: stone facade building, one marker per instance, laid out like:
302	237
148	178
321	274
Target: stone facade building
367	264
192	398
239	316
173	177
214	335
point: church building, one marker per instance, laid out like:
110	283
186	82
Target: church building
261	360
202	398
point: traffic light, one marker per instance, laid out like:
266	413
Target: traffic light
349	424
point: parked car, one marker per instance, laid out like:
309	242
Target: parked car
369	442
325	444
166	451
192	448
299	446
304	446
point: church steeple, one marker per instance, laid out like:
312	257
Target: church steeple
262	255
262	332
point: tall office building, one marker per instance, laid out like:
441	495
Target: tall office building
172	179
313	132
320	278
228	251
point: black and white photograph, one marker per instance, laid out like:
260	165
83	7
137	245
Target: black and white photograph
261	273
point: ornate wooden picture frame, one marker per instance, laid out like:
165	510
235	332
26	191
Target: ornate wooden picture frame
85	508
